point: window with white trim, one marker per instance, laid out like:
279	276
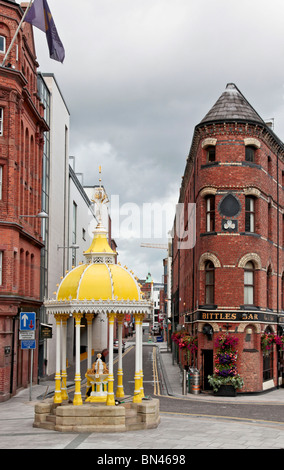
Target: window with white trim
249	214
249	284
210	213
1	121
209	282
2	44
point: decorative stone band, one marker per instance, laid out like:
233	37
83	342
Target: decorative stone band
98	306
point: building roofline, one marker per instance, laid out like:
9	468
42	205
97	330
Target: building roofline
51	75
80	188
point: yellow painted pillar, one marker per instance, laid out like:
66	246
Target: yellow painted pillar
57	394
89	317
110	395
137	378
141	356
77	395
64	393
120	390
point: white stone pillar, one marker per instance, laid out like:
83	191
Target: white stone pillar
64	393
77	395
141	357
57	394
89	317
110	395
119	390
137	382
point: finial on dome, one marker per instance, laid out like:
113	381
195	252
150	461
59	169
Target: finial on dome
100	198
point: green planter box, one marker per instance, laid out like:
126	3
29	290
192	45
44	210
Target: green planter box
226	391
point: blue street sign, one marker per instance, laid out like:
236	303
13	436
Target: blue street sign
27	321
28	344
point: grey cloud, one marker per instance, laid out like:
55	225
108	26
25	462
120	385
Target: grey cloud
140	74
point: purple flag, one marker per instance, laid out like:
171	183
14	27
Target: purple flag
39	15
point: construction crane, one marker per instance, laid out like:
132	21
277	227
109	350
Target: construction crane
164	247
150	245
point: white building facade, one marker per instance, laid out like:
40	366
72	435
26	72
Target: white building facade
68	230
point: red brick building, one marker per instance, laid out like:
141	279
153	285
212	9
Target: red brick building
228	281
21	147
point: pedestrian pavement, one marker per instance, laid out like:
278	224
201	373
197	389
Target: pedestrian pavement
175	433
173	377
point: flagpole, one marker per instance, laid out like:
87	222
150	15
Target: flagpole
16	33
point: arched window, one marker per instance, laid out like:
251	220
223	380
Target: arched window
249	283
209	282
268	360
268	288
1	121
2	44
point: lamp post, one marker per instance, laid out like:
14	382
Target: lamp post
71	247
41	215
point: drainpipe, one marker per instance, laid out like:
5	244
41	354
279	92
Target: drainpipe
277	347
12	356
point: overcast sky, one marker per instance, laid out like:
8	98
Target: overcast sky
140	74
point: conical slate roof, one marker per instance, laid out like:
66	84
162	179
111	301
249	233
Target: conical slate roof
232	105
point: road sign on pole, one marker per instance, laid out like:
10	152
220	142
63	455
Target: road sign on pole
23	335
27	321
28	344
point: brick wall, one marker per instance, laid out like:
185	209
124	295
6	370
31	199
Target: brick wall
230	250
21	149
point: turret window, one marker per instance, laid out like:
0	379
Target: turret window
249	214
211	154
1	121
2	44
209	283
249	284
250	153
210	214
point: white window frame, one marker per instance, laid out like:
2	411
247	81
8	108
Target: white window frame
210	213
249	284
250	214
1	120
2	51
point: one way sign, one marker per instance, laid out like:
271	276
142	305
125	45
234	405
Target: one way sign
27	321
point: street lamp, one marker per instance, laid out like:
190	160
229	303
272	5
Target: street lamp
71	247
41	215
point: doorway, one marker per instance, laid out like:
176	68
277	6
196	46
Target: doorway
207	359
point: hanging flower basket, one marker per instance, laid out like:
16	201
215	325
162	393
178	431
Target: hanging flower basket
225	370
268	340
185	341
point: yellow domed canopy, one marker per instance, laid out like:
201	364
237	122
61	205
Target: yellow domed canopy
98	281
99	286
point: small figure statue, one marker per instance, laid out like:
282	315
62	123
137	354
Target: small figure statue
97	376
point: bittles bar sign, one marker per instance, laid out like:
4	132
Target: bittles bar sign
233	316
